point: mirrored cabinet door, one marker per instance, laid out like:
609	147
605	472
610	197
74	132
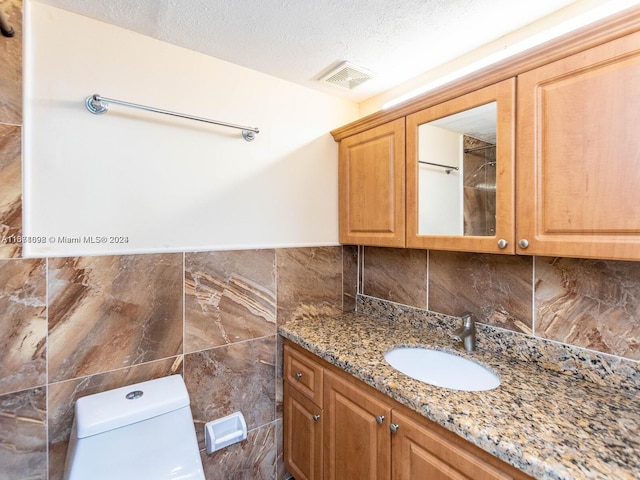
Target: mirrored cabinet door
460	173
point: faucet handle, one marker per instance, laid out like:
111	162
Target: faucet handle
467	320
466	333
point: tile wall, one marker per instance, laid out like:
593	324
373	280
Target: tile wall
592	304
75	326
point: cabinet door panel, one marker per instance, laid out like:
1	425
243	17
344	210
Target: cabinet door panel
302	436
421	454
371	187
356	445
579	154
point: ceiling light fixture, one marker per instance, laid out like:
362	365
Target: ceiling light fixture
579	21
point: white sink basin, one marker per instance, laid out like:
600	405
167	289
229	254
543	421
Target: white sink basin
442	369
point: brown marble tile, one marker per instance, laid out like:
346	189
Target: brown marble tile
396	274
309	282
11	71
23	435
112	312
350	277
279	378
231	378
23	324
62	397
10	190
252	459
281	471
593	304
229	297
496	289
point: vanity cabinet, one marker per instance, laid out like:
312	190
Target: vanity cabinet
579	154
358	432
371	189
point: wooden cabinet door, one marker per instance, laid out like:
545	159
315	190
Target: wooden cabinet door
421	454
371	187
357	439
578	164
302	436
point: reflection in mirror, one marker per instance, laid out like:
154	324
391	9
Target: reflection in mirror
457	174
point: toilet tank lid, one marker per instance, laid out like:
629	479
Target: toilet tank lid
123	406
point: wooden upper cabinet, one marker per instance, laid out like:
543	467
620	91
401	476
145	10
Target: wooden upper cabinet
371	186
579	154
470	206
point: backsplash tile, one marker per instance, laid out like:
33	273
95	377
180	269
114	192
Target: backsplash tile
593	304
23	324
595	367
587	304
496	289
112	312
350	277
10	190
396	274
229	297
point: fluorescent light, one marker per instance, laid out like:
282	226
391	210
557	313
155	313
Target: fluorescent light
565	27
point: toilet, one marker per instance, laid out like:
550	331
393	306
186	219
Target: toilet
143	431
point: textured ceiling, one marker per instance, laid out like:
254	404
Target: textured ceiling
301	40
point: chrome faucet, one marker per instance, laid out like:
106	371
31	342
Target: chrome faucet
466	333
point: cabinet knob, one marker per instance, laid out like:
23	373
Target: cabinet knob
523	243
394	427
379	419
502	243
316	417
298	375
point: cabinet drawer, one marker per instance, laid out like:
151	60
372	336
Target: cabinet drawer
303	374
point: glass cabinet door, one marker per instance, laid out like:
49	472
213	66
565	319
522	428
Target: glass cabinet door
460	173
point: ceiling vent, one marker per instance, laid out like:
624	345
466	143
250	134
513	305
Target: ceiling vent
347	75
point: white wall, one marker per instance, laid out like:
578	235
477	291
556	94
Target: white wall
165	183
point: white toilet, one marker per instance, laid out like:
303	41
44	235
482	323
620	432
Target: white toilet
143	431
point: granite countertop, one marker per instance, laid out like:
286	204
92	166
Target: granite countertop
542	420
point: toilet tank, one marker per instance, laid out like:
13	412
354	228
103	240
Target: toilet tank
142	431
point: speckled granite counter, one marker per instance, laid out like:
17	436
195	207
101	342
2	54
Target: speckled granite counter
558	414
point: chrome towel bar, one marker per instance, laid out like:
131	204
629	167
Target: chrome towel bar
447	168
98	104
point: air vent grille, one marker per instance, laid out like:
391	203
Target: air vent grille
348	76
